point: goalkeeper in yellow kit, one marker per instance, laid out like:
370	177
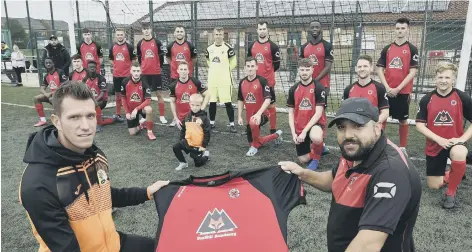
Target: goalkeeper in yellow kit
221	60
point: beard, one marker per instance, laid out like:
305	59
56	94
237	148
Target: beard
262	36
305	79
361	154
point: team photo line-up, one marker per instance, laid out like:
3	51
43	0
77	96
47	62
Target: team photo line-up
67	173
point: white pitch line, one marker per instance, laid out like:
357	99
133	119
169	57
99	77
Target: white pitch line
335	148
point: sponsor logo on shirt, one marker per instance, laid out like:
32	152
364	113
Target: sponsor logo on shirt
94	92
52	84
259	58
135	97
443	119
216	59
216	224
396	63
314	59
250	98
149	54
88	56
180	57
185	98
120	57
385	190
305	104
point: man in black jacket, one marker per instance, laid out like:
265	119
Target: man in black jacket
59	54
194	135
66	188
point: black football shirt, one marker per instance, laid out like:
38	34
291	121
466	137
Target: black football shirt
236	211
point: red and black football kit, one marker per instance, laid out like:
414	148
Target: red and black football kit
54	80
219	213
180	52
79	76
135	95
381	194
182	91
397	60
318	53
122	57
254	93
98	85
304	99
444	116
90	52
373	91
267	57
150	54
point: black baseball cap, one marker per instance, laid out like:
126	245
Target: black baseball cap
52	37
358	110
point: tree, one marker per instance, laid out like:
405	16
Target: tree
18	33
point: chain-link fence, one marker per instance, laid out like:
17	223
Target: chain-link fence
352	27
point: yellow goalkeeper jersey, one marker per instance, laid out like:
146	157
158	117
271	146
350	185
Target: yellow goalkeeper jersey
221	60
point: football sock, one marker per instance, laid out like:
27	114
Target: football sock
230	112
316	150
162	110
273	119
212	111
446	176
403	131
455	177
118	103
100	120
40	110
149	125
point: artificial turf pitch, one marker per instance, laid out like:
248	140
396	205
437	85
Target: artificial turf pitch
136	161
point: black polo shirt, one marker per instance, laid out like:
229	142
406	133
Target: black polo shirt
381	194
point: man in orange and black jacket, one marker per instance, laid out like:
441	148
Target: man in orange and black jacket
66	188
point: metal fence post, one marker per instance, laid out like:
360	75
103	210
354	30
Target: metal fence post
151	16
356	42
195	40
238	44
79	33
331	28
52	17
109	28
422	51
6	14
30	31
258	3
425	42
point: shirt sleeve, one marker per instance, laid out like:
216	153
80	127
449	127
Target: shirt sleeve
162	49
131	51
320	94
387	196
146	89
172	88
62	76
291	96
193	50
346	92
288	188
123	87
110	53
99	50
231	53
78	49
422	114
249	49
169	50
382	62
302	51
466	105
382	98
329	53
138	51
103	83
207	54
45	81
240	92
265	88
200	86
122	197
414	56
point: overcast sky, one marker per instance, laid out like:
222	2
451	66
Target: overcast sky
121	11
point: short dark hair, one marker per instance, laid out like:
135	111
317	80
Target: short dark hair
305	62
182	63
119	30
145	25
315	20
365	57
135	64
179	26
91	62
262	22
403	21
85	30
249	59
48	58
74	89
76	57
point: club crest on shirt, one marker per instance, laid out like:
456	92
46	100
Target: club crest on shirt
216	224
250	98
180	57
120	57
396	63
216	59
185	98
443	119
314	59
305	104
453	102
149	54
135	97
88	56
234	193
370	92
102	176
259	58
94	92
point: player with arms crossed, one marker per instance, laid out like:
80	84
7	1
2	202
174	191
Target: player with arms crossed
90	50
440	119
121	55
396	68
136	100
267	55
52	80
98	86
221	61
321	53
150	53
306	101
180	50
254	93
79	72
368	88
180	92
